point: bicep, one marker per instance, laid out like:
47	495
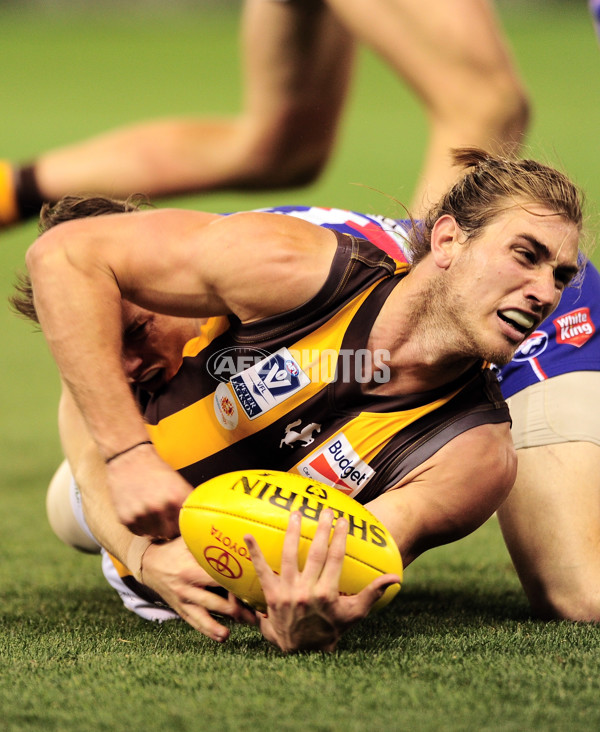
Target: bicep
192	264
450	494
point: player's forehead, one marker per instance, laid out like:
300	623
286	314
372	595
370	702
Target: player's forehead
556	236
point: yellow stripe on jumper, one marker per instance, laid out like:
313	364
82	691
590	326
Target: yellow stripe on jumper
194	433
370	432
209	330
401	267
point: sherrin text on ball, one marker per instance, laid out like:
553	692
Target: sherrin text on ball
218	513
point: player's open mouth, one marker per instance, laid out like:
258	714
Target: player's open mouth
520	321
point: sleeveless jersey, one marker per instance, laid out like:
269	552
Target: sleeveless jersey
286	392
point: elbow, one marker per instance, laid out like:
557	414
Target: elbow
41	254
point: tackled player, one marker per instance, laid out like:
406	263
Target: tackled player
491	261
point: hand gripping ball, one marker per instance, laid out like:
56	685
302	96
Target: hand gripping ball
217	514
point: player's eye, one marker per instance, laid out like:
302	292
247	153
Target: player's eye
527	255
563	279
136	331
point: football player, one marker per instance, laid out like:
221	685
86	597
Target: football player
490	262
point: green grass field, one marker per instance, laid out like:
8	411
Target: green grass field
458	649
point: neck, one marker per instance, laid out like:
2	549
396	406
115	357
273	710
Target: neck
415	327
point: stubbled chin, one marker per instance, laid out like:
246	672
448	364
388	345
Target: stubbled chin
503	357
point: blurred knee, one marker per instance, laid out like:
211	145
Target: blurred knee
492	111
503	109
287	150
507	110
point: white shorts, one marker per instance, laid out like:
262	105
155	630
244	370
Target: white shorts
132	601
66	518
564	408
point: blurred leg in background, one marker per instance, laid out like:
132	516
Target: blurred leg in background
297	58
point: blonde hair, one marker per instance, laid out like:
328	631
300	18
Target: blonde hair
491	185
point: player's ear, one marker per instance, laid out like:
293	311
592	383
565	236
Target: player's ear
445	240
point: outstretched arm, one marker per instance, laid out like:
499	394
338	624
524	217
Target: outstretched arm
446	498
451	494
178	262
551	525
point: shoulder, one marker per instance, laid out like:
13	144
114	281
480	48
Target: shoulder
263	264
484	453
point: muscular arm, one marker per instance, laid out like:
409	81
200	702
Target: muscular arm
177	262
88	469
551	525
452	493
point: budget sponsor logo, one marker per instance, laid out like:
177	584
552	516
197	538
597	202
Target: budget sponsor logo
574	328
337	464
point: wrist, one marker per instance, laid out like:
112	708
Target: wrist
114	456
135	556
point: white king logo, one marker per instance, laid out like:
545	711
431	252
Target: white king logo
575	328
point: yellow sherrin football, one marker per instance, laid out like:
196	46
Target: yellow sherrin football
217	514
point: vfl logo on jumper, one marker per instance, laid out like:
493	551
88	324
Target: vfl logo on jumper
575	328
268	383
337	464
305	435
532	347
